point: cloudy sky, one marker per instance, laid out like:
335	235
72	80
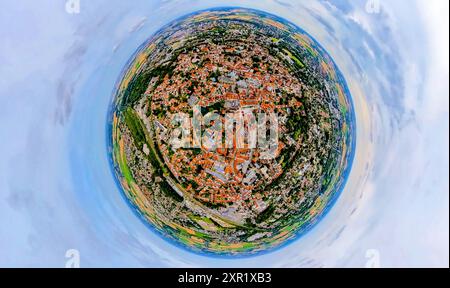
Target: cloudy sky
59	65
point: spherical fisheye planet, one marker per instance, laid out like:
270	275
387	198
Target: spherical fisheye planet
232	132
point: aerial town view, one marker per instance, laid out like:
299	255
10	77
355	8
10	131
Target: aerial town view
232	132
